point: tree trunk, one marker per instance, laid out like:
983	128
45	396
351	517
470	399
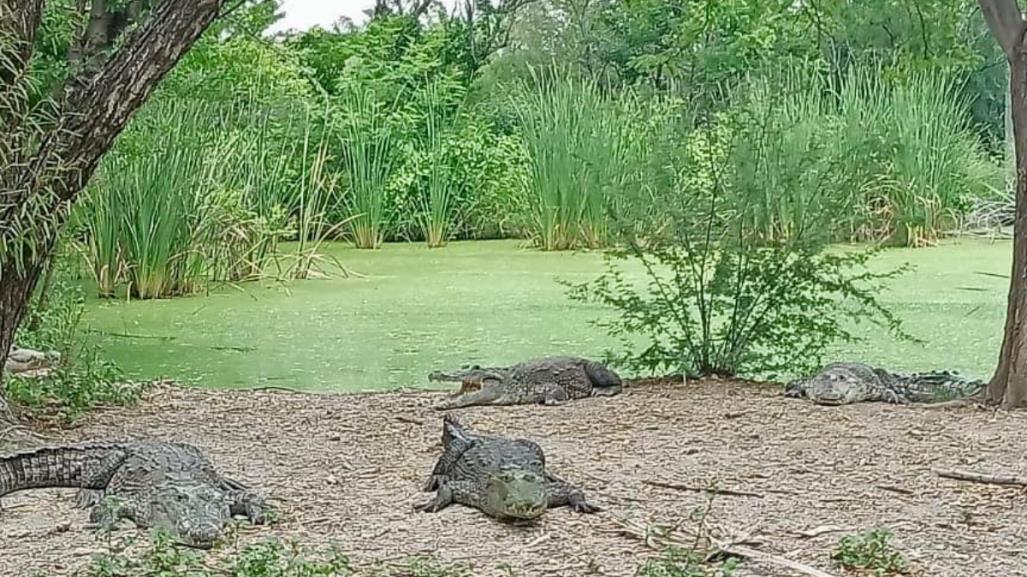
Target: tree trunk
1009	383
38	193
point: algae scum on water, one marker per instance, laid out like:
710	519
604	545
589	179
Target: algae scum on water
412	310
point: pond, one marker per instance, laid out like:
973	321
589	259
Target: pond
413	310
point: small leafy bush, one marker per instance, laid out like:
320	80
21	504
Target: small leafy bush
677	562
81	380
70	390
709	310
271	558
870	552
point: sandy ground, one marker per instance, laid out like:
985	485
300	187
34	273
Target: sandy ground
348	469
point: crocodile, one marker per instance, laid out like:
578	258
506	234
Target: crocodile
28	361
847	383
545	381
504	478
155	484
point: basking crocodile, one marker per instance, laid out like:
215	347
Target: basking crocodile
846	383
546	381
155	484
25	361
504	478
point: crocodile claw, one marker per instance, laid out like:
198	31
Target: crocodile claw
433	506
579	505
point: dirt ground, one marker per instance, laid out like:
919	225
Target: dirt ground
349	468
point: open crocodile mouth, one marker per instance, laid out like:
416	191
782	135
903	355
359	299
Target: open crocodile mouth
524	512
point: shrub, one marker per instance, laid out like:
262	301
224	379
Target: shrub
870	551
677	562
82	380
271	558
722	296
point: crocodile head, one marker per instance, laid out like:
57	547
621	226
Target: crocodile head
515	495
605	382
837	385
192	514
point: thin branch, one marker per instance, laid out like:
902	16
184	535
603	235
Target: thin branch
678	487
982	477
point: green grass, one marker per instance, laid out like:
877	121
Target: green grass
417	310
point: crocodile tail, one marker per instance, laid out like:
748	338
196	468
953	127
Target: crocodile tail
84	466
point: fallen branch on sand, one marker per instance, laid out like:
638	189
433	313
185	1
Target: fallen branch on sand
656	538
982	477
678	487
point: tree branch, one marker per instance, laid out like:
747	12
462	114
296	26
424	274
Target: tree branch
1006	22
93	110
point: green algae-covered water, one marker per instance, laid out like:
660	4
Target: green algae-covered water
415	310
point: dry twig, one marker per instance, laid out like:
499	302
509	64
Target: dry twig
982	477
678	487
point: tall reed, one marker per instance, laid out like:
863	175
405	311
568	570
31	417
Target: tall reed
573	136
161	196
315	199
367	156
100	216
937	163
886	159
439	194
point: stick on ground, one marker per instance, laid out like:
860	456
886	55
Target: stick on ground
678	487
982	477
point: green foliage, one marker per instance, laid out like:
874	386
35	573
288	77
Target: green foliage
439	191
81	380
577	142
712	307
677	562
84	382
723	294
367	155
271	558
870	552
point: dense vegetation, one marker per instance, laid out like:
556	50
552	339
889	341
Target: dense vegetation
725	144
538	120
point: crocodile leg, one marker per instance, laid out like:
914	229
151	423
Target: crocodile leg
449	492
247	504
550	394
109	510
88	498
561	493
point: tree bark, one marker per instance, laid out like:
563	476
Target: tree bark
1009	383
36	195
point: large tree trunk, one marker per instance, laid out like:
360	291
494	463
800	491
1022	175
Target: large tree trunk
37	192
1009	383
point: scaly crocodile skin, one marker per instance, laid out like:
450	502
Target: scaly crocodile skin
153	483
548	381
